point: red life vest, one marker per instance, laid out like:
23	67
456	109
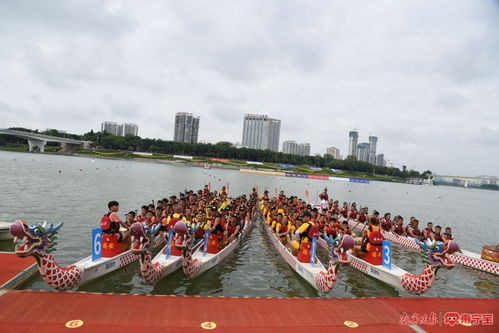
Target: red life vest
438	237
107	226
448	236
415	231
363	218
374	246
353	214
313	232
399	230
386	225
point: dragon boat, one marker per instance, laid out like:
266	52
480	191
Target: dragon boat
313	271
39	241
435	256
464	258
170	258
197	261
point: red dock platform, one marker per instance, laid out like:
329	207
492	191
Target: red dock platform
30	311
15	270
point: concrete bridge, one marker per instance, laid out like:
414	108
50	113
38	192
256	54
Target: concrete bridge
38	141
466	179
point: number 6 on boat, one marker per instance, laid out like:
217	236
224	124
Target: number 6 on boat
96	243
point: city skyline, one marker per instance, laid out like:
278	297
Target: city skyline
425	82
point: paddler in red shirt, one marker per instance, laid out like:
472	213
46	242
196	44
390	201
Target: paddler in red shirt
353	211
428	231
386	222
447	236
399	226
412	230
344	211
437	234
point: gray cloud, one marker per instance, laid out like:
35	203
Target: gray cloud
422	76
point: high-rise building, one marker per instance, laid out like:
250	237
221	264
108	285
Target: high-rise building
334	152
304	149
372	149
186	127
114	128
380	160
352	146
110	127
261	132
363	152
130	129
290	147
119	130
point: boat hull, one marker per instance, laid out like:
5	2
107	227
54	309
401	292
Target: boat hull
307	271
466	258
209	260
103	266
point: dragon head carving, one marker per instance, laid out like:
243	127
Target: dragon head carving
37	239
142	237
339	247
437	254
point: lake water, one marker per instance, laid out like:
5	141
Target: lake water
37	187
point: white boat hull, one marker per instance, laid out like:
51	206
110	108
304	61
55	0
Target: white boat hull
306	270
102	266
210	260
467	258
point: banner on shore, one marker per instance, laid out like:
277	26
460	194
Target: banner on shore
299	175
182	156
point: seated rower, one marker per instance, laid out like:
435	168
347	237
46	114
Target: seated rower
282	230
142	216
111	222
149	221
345	229
399	226
372	241
412	230
130	218
437	234
386	222
428	232
447	235
233	229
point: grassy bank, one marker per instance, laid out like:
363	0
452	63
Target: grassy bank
239	164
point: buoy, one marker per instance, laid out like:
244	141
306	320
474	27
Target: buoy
80	169
60	171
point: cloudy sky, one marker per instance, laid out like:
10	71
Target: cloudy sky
421	75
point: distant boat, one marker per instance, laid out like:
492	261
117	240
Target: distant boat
93	159
206	166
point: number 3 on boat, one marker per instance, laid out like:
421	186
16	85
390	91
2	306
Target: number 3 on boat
386	254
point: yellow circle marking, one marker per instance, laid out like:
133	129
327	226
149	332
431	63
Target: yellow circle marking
350	324
208	325
74	323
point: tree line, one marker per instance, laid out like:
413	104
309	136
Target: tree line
224	150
